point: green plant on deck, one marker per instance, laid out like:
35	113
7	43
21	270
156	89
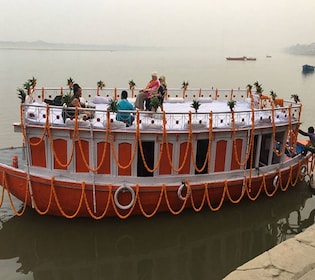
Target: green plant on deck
249	87
231	104
21	94
113	105
100	84
273	95
155	103
70	83
195	104
32	82
66	98
132	84
185	84
259	89
28	87
296	98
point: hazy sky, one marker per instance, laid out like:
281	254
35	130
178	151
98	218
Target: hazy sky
208	23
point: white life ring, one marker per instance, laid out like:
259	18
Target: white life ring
275	181
179	191
124	188
303	170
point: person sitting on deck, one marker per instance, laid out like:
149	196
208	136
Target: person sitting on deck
146	93
124	104
75	102
162	90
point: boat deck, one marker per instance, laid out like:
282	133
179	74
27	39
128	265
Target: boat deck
177	112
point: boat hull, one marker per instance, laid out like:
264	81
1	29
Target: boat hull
84	199
243	58
308	68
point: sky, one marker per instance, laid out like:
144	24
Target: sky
164	23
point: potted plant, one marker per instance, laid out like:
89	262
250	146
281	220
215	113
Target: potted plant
155	103
100	84
185	84
66	99
70	83
21	94
295	98
28	88
132	84
273	95
231	104
113	105
259	89
32	83
256	84
195	104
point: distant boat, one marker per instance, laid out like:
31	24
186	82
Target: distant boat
307	68
268	56
242	58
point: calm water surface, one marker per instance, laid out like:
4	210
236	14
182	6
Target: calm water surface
206	245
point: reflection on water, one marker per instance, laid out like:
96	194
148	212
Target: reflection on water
205	245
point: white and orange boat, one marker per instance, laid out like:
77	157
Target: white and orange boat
165	161
241	58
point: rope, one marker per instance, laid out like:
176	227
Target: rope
15	211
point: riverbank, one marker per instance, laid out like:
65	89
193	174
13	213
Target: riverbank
291	259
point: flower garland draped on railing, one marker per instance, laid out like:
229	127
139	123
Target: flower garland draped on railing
164	193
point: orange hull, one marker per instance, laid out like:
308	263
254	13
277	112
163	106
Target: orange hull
71	199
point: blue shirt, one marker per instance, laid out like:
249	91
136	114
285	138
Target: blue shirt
124	104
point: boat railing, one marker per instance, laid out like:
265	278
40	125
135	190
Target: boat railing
42	114
114	93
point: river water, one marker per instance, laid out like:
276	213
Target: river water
206	245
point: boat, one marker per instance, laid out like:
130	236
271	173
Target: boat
308	68
232	146
242	58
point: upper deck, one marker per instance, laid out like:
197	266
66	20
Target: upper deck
249	111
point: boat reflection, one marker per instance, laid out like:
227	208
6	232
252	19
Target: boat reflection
206	245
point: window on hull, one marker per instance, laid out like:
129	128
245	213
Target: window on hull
148	152
202	149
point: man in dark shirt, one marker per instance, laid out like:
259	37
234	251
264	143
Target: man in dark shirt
310	133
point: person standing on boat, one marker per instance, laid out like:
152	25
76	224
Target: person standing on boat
310	133
124	104
146	93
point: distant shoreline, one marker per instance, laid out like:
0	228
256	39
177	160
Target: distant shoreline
54	49
302	49
44	46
